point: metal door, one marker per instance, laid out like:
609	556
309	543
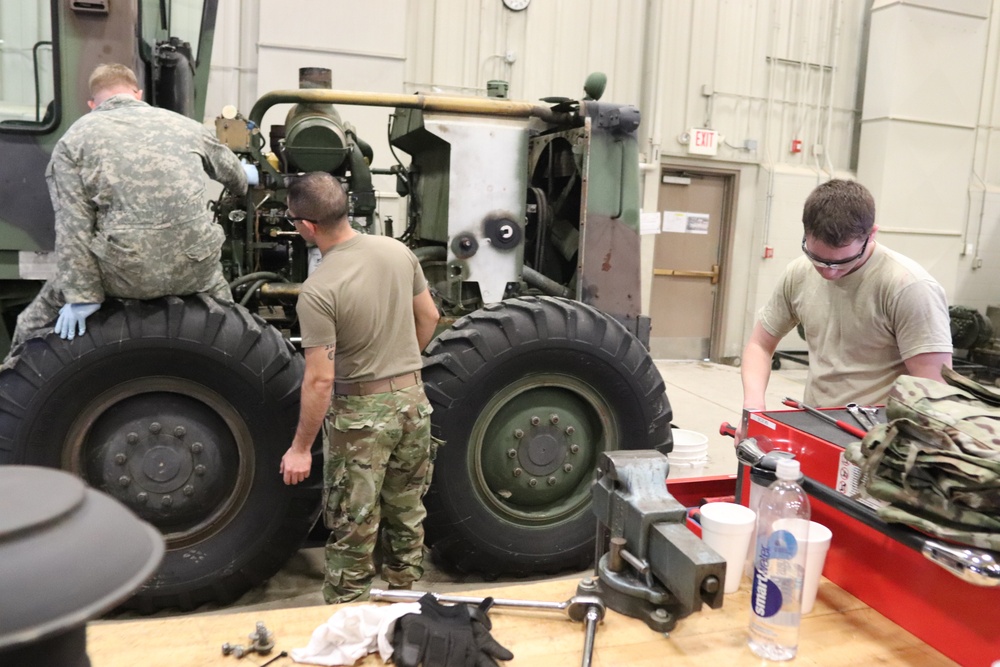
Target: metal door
688	264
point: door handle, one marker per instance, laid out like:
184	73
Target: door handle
713	274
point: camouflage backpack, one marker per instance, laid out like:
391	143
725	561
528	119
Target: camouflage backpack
937	460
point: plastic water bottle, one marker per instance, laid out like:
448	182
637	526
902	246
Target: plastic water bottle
779	565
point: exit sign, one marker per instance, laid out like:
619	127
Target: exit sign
703	142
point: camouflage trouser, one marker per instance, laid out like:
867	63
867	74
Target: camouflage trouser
377	467
45	307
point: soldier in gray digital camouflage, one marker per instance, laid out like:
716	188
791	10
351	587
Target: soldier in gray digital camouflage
128	189
365	314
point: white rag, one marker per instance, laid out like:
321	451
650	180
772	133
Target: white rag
354	632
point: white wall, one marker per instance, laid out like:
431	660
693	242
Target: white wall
760	72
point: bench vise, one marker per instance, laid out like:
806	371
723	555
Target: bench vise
649	565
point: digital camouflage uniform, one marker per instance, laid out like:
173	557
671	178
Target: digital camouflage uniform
937	462
377	468
127	183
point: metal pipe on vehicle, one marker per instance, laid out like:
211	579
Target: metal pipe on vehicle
546	284
490	106
278	291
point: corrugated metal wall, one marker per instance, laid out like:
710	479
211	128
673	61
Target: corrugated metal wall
760	72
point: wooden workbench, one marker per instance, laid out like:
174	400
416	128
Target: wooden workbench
841	630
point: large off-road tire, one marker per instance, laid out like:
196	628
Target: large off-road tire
181	408
526	394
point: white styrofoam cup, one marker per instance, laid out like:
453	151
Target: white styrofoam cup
726	528
817	544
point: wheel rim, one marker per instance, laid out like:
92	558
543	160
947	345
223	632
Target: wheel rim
173	451
534	446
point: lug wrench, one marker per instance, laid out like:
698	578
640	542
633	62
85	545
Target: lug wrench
575	607
843	426
588	609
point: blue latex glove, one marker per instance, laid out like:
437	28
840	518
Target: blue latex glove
72	318
253	176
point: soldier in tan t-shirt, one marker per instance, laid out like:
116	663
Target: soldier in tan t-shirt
365	315
869	314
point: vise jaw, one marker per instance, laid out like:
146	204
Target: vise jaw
649	565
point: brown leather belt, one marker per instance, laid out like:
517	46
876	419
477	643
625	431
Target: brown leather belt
383	386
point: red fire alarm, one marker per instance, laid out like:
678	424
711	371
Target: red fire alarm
796	145
768	252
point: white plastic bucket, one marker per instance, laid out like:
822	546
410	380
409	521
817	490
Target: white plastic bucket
685	440
690	448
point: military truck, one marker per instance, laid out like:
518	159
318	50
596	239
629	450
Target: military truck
524	216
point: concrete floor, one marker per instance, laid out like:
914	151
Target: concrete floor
702	395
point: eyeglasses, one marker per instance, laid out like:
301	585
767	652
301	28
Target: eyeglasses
293	219
836	264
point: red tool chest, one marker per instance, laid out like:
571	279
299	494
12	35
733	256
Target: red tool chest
956	617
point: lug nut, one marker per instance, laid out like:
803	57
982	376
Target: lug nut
132	438
188	490
196	447
155	427
512	453
120	459
535	421
167	501
573	449
554	419
518	433
199	469
532	482
517	472
570	430
180	431
568	467
142	497
124	480
551	481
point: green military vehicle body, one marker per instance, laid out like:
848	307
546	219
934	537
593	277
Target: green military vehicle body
525	218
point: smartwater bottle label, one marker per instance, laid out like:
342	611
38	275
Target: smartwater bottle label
765	597
782	545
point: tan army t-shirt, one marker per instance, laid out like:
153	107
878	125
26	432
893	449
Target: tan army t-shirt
860	328
360	299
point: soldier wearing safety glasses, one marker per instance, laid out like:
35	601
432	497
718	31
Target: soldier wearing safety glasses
869	314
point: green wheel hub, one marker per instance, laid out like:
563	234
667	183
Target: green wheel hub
534	447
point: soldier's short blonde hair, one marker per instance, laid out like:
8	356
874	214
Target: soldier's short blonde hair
112	75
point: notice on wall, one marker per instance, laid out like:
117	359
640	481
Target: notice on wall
697	223
674	221
649	222
682	222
